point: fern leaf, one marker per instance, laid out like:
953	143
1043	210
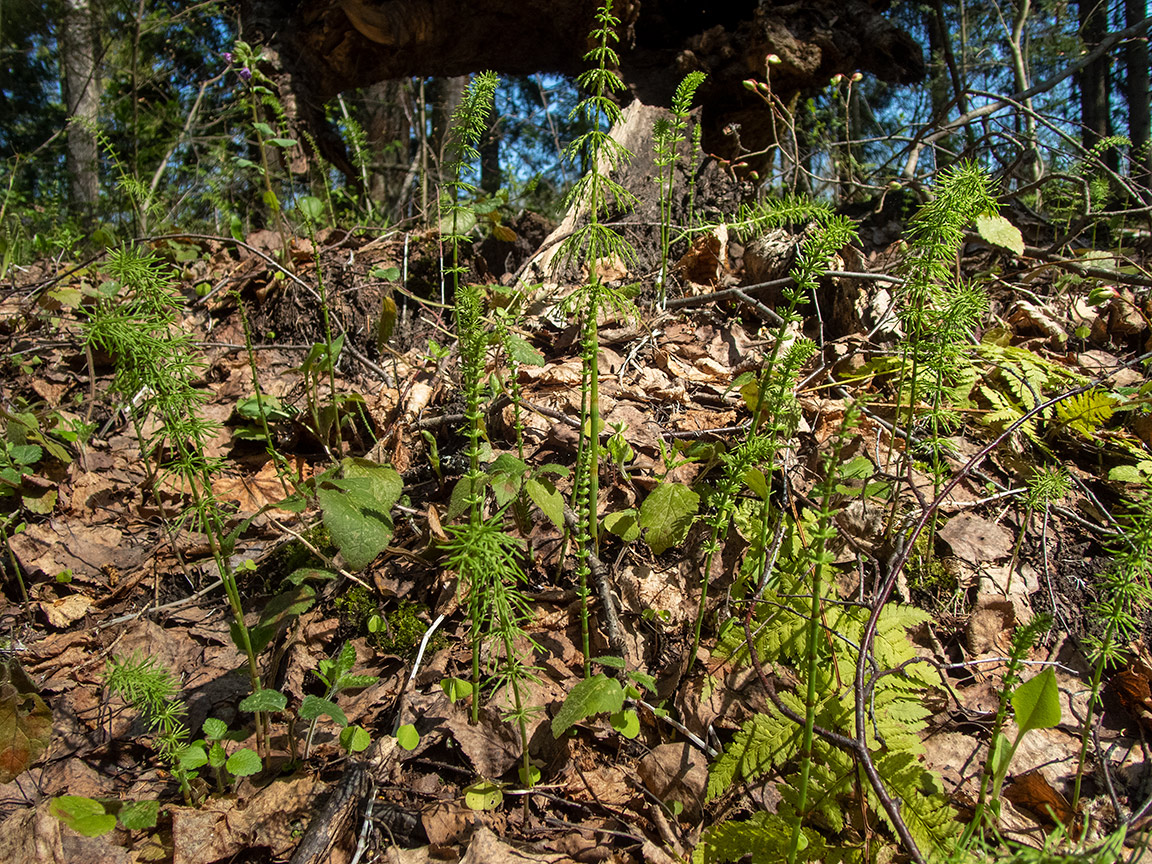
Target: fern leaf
831	777
926	812
764	837
763	743
892	644
1085	413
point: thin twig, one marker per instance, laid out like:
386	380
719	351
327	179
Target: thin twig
607	601
947	129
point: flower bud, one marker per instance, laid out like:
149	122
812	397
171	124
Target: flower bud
837	78
857	76
750	84
772	59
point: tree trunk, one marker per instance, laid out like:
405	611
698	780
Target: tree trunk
445	95
1095	107
82	100
1136	61
491	176
388	128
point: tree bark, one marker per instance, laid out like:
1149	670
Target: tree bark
1095	106
1136	62
81	92
387	107
445	95
328	47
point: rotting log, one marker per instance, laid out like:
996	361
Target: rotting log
319	48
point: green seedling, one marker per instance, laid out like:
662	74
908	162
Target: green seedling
211	751
335	674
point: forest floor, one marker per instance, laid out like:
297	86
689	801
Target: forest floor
112	571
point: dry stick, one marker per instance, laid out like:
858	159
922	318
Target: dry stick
1089	269
948	128
600	575
738	291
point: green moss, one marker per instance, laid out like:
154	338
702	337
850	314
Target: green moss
357	604
291	556
398	631
929	575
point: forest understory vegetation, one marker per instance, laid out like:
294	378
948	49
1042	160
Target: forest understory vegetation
786	507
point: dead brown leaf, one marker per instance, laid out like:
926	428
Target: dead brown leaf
1032	792
707	259
990	625
50	548
976	540
35	836
250	493
676	772
25	721
66	610
486	848
445	822
272	817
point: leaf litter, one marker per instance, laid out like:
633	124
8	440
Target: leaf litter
105	580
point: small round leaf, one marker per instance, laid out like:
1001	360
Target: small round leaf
483	795
243	763
407	736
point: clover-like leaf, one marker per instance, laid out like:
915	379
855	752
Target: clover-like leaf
407	737
626	722
354	739
456	688
483	795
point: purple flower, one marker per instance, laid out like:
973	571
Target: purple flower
245	74
227	55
